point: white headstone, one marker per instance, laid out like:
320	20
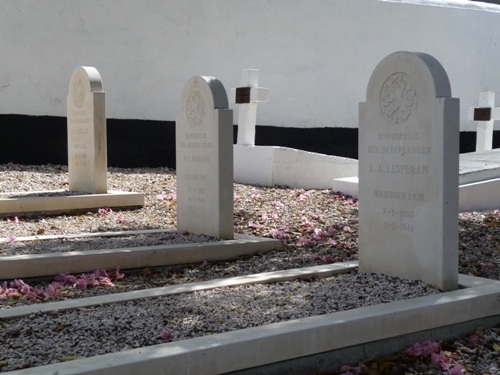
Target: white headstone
86	117
408	172
485	115
204	159
247	96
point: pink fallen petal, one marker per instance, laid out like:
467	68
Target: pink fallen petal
331	230
81	284
11	238
278	204
332	242
165	335
278	234
473	339
455	371
104	211
117	274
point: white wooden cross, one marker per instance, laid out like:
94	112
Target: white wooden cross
247	96
485	114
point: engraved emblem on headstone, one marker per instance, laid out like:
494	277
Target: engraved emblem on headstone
398	98
195	109
79	94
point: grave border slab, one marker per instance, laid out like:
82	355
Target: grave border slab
54	205
38	265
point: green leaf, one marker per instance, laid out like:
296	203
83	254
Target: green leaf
68	358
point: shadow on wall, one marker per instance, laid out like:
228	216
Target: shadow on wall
43	140
487	1
139	143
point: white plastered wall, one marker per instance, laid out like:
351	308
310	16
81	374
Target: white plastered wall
315	56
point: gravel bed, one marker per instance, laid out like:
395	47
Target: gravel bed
86	332
314	226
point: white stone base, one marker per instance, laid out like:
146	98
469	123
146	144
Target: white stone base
272	165
480	196
35	265
346	185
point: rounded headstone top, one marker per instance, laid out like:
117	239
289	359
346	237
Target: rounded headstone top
90	74
200	96
417	65
85	79
404	82
208	87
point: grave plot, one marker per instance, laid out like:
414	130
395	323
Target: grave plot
87	159
194	328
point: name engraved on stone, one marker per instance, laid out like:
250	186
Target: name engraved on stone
200	149
399	168
197	158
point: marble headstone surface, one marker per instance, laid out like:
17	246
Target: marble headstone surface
204	159
86	118
408	172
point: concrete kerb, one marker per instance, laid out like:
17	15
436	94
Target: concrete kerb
37	265
260	346
90	235
29	205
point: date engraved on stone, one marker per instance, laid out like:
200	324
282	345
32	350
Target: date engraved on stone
195	109
398	98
